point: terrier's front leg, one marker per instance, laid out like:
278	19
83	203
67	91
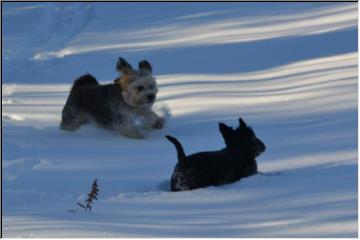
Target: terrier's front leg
128	128
153	121
160	123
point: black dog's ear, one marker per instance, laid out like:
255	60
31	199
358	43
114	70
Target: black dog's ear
124	67
145	66
225	130
242	123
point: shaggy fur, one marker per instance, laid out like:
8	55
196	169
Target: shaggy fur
235	161
124	106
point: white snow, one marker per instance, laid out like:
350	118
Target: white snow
289	69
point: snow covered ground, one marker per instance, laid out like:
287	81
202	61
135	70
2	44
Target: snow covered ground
289	69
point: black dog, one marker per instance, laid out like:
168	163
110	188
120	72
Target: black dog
235	161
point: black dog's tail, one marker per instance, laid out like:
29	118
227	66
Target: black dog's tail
179	148
86	79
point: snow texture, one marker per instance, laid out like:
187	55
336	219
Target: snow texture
289	69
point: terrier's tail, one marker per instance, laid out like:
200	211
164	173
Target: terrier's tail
179	148
86	79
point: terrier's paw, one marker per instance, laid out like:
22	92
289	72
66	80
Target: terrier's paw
159	124
133	134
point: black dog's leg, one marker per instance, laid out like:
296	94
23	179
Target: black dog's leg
269	174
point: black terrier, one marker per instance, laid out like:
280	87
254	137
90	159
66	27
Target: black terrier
235	161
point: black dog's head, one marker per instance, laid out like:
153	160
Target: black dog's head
242	139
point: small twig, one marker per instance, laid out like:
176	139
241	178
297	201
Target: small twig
91	197
81	205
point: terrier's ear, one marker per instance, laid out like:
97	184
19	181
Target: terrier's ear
124	67
242	123
225	130
145	66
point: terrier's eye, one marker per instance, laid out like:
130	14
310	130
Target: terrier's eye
151	86
140	88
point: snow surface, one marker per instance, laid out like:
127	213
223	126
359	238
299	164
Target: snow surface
289	69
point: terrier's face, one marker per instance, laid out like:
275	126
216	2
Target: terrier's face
138	86
242	139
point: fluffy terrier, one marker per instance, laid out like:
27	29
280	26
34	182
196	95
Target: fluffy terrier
124	106
235	161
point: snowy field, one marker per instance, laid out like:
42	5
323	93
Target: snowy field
288	69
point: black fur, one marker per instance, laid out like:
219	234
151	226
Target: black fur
123	66
88	98
145	66
86	79
235	161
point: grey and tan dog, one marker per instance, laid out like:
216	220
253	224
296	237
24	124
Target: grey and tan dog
124	106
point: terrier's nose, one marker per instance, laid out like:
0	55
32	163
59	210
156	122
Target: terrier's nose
151	97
